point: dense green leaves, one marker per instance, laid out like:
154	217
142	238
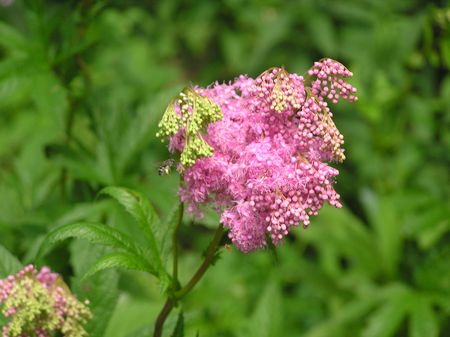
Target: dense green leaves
82	90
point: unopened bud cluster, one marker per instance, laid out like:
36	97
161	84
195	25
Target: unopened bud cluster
269	171
283	91
329	82
38	303
187	118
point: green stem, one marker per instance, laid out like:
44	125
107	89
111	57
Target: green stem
210	253
168	306
175	246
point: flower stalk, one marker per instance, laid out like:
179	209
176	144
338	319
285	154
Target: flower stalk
209	258
175	248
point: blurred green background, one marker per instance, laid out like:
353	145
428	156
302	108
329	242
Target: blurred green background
84	83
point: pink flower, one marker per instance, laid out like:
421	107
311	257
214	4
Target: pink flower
269	170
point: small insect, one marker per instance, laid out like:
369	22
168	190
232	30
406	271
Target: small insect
165	167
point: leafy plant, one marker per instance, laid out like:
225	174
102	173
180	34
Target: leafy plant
82	88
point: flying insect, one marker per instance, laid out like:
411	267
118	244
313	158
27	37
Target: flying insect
166	167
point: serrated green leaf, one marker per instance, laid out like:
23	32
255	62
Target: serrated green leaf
179	327
143	212
9	264
120	260
423	321
92	232
138	206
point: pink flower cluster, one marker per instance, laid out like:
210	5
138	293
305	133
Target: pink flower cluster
38	303
269	169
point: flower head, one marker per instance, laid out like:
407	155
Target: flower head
38	303
268	171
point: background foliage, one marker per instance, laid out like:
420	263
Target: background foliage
83	84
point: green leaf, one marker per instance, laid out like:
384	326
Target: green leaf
339	233
9	264
81	212
272	250
384	218
266	320
136	136
433	274
120	260
145	331
13	69
50	96
385	321
349	313
81	163
179	328
166	232
323	34
138	206
11	38
423	322
92	232
135	311
101	289
143	212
